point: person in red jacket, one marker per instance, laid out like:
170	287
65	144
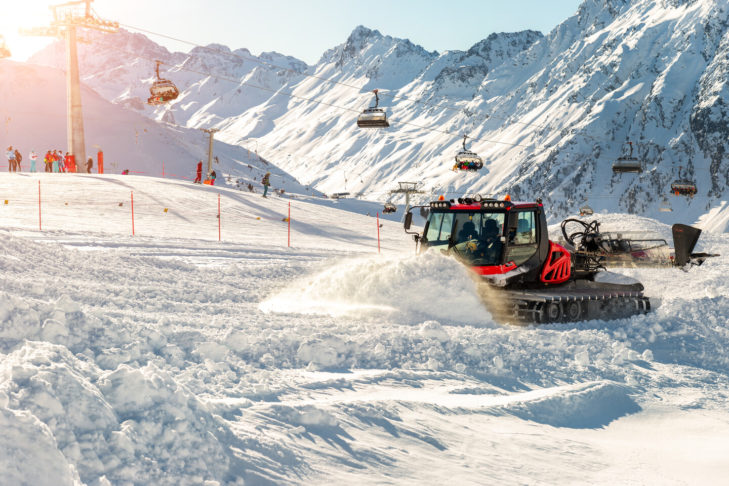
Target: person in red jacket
198	178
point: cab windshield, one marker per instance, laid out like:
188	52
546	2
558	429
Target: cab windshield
474	237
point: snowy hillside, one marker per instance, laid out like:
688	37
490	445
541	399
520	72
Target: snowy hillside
170	358
550	113
33	109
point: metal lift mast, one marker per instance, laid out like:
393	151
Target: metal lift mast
67	17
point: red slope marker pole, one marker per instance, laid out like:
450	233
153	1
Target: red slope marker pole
132	213
289	221
219	217
39	208
378	232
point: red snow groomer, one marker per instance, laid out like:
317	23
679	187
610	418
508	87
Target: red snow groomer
525	277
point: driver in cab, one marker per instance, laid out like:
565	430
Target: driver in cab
489	246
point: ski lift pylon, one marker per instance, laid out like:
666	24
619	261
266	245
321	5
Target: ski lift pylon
373	117
628	164
162	90
467	160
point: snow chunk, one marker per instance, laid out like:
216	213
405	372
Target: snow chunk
323	353
433	329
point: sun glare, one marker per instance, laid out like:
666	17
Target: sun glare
23	15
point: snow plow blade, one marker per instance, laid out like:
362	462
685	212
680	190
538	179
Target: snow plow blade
684	241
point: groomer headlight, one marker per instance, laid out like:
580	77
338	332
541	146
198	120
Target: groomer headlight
477	198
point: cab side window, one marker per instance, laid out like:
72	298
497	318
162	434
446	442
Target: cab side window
526	231
523	241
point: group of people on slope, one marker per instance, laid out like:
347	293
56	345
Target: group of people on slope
54	161
266	181
198	177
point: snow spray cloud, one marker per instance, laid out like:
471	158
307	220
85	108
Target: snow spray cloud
410	289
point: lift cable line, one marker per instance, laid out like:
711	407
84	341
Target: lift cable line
312	100
360	89
68	17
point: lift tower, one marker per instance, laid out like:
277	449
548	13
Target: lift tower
67	17
407	188
211	132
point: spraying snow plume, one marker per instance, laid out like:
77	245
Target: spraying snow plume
431	286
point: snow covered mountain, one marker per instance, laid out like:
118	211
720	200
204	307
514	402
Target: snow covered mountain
550	114
33	109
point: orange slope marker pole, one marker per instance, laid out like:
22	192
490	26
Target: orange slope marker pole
40	228
132	213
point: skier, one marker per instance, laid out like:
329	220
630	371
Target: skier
55	158
198	178
48	160
212	177
11	159
18	158
89	164
266	182
33	158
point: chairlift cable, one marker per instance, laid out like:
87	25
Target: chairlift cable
360	89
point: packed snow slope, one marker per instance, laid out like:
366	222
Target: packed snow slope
550	113
170	357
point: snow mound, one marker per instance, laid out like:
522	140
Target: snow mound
588	405
411	289
30	455
121	425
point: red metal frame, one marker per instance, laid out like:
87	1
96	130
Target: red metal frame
558	266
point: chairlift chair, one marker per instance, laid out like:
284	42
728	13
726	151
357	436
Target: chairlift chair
683	187
586	210
665	206
628	164
467	160
373	117
389	208
162	90
4	51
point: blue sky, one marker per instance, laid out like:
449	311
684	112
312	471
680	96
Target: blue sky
305	28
